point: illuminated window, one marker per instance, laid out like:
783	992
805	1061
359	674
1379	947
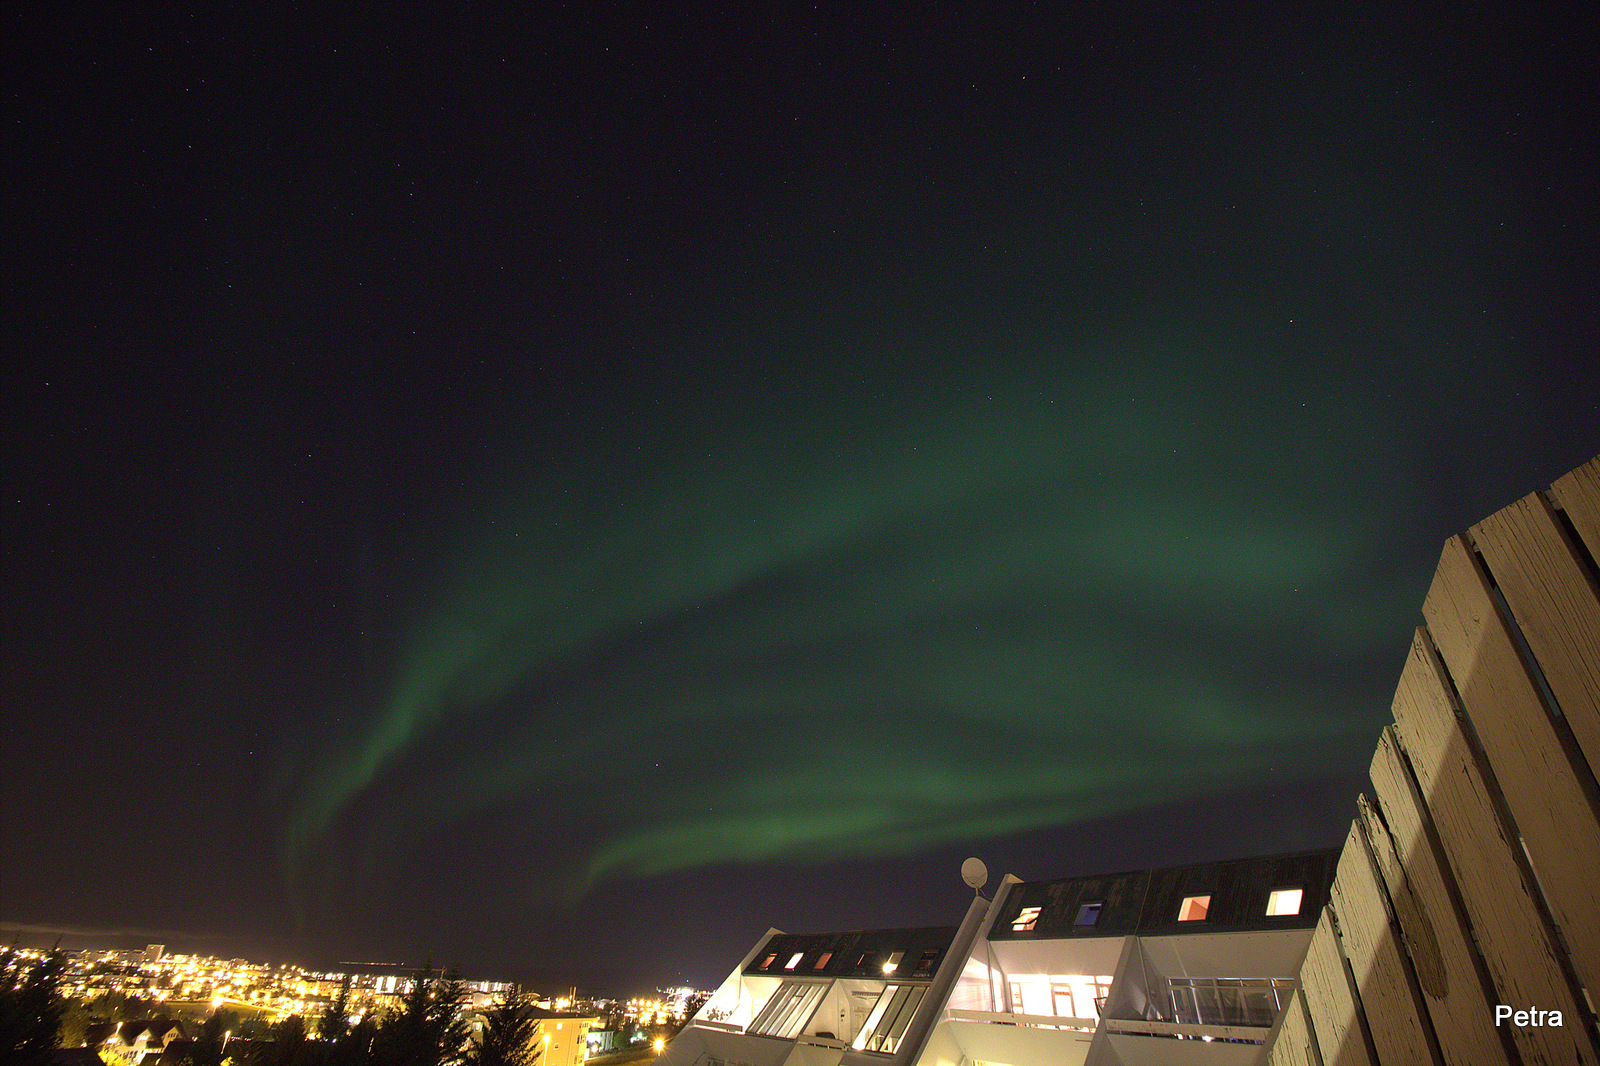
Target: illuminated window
790	1007
1088	914
894	961
823	961
890	1016
794	960
1284	901
862	961
1026	920
1194	908
768	961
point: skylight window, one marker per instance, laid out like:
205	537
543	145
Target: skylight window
790	1007
925	964
1088	914
1194	908
1026	920
1284	901
767	962
794	960
822	960
889	1018
894	961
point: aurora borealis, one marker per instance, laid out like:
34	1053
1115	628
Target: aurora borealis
569	492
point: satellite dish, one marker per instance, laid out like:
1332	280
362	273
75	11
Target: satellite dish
975	874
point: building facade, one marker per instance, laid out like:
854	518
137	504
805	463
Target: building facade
1191	964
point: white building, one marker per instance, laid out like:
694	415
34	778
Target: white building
1189	964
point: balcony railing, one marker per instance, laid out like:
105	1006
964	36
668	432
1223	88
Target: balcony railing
1037	1021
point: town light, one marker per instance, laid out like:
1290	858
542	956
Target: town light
661	1044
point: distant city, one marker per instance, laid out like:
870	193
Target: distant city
130	1004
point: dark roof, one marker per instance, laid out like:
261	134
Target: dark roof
1147	902
857	954
95	1033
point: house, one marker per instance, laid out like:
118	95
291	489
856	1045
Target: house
561	1038
1184	964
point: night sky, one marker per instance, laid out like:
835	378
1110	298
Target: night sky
561	493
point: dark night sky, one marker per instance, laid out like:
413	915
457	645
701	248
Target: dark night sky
563	493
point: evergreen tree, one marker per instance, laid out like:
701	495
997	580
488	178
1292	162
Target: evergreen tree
402	1038
335	1021
509	1033
210	1044
30	1009
354	1048
447	1029
288	1041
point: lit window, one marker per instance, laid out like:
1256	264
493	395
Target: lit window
1284	901
1194	908
1088	914
823	961
894	961
768	961
889	1018
1025	920
794	960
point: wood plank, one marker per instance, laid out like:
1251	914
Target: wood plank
1335	1017
1578	494
1294	1045
1517	944
1555	601
1542	789
1434	930
1397	1020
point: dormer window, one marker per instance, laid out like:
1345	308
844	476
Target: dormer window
1284	901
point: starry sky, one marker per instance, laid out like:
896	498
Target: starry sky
561	493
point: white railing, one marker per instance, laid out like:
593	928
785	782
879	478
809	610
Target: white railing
1139	1027
1037	1021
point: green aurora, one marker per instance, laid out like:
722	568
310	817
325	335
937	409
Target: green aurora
861	625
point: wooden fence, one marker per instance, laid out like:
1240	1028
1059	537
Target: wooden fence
1471	881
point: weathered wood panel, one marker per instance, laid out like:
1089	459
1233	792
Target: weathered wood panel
1294	1044
1578	494
1335	1018
1432	925
1518	946
1396	1019
1555	602
1535	774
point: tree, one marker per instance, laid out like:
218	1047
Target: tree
335	1021
30	1008
211	1043
509	1032
354	1048
288	1041
427	1030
